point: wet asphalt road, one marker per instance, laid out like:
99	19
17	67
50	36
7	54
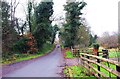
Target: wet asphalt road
47	66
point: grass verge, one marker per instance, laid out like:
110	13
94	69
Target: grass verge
81	73
114	54
78	72
105	71
68	54
75	71
24	57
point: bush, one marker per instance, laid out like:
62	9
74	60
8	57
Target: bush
31	44
21	45
68	54
96	46
27	44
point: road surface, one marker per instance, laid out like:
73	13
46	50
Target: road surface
47	66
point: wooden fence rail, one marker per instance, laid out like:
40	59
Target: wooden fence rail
103	59
87	59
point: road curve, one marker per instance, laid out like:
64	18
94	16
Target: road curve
47	66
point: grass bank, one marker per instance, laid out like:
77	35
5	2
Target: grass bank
104	71
78	72
68	54
47	48
114	54
74	71
81	72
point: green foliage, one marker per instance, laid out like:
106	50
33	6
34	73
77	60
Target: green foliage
9	34
68	54
40	28
93	39
10	59
114	54
96	46
42	34
73	27
29	15
43	30
21	46
104	71
77	71
5	13
27	44
54	31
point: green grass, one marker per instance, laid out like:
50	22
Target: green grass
105	71
76	71
28	57
68	54
114	54
20	58
23	57
62	46
82	72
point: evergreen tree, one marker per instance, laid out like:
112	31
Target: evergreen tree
73	23
43	31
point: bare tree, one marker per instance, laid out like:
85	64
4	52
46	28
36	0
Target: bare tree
13	6
108	41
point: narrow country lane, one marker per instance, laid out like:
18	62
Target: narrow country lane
47	66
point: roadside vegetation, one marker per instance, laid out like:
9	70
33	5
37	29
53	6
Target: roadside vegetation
35	36
75	71
75	33
23	57
68	55
104	71
114	54
29	38
79	71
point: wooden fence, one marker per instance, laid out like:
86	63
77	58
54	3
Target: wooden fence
88	60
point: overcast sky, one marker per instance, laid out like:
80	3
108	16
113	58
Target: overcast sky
101	15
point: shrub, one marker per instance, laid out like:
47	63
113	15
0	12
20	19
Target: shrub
68	54
21	45
27	44
96	46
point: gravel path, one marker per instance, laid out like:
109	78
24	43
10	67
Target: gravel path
72	62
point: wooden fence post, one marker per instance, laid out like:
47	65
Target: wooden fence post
78	52
88	58
82	61
118	69
88	62
98	61
105	54
73	52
